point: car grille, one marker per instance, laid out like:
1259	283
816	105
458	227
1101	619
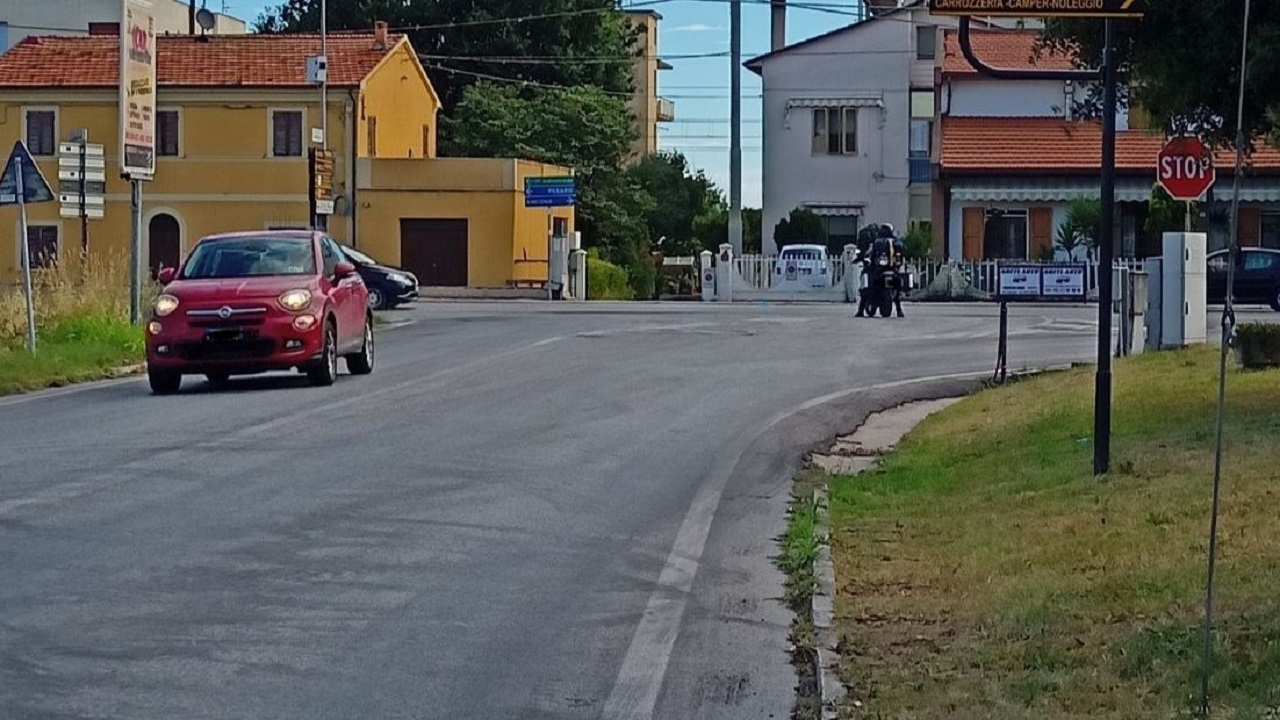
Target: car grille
235	317
247	349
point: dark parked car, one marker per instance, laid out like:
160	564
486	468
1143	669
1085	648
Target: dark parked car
246	303
1257	277
388	286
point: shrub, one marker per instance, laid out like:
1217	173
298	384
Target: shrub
606	281
1258	345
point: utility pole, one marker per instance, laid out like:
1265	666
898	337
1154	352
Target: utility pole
735	126
322	220
778	25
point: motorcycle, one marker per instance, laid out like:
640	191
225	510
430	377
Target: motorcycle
886	279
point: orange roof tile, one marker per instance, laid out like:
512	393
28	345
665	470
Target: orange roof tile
1002	49
187	61
1026	145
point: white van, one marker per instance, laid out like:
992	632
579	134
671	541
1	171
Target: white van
801	267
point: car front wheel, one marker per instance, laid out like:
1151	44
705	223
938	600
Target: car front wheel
325	371
164	382
361	363
377	299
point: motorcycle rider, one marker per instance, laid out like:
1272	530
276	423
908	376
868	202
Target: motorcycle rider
885	244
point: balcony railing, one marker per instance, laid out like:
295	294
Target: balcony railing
666	110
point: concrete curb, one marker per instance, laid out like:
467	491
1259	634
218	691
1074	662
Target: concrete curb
823	611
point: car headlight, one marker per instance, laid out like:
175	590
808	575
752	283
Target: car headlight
399	278
164	305
295	299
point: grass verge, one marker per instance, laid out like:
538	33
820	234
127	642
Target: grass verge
89	347
799	552
82	328
982	572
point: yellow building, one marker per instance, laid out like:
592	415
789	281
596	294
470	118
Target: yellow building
647	107
235	122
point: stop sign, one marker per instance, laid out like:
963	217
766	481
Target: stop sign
1185	169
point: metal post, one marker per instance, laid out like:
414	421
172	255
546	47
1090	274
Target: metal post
135	256
1102	385
1228	327
1187	224
84	215
322	221
1002	353
735	126
26	256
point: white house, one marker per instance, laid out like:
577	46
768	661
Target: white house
847	124
20	19
1012	156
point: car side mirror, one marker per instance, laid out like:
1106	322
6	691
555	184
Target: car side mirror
344	269
166	275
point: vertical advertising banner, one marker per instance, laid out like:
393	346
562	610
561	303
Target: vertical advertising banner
137	90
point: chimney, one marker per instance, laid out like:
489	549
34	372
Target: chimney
778	26
380	35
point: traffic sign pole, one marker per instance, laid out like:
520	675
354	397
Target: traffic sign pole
26	255
1106	247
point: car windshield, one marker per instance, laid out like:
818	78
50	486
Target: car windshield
250	257
358	256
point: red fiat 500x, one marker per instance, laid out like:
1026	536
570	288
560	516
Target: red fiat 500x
246	303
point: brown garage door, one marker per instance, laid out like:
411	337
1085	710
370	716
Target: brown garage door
435	251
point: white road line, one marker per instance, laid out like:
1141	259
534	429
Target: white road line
644	667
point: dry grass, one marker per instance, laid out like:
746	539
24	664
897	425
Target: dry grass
82	323
984	573
101	289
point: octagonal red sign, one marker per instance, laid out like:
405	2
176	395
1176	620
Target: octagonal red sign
1184	168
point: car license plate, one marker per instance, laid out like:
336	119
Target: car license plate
227	335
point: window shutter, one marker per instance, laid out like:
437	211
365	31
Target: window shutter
1250	224
975	219
1041	231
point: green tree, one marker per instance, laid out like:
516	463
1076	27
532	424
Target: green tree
1183	60
683	200
801	226
712	229
1084	219
581	128
549	42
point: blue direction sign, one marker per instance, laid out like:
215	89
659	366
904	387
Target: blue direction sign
549	191
20	172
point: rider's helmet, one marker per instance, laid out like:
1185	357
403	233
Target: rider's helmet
886	231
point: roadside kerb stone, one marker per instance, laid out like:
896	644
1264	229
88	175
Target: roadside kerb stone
850	455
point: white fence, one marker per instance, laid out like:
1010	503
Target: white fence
984	274
759	277
761	272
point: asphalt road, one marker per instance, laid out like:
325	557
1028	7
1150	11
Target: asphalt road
528	511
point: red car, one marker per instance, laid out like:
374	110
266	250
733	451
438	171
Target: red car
245	303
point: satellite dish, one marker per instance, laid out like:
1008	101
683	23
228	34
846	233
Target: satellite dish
205	19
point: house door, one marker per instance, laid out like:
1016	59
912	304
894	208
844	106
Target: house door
435	251
164	243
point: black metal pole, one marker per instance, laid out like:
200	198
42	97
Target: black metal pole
1002	360
1106	245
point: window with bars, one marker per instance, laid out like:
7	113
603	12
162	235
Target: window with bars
835	131
286	133
168	129
42	243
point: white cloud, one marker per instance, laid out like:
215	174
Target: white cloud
696	28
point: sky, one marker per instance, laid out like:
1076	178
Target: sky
699	87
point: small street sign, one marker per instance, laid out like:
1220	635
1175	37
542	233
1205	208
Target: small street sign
1184	168
558	191
34	188
1039	8
82	179
321	182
